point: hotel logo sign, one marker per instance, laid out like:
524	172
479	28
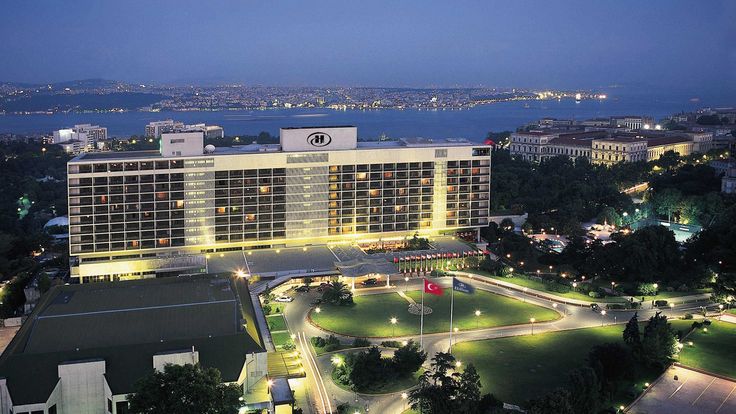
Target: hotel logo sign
319	139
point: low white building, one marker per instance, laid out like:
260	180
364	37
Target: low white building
86	135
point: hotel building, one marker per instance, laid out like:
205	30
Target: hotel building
142	214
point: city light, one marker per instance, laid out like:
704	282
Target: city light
318	309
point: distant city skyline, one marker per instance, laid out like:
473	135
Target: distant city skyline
677	45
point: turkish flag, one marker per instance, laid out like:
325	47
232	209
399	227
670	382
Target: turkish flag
432	288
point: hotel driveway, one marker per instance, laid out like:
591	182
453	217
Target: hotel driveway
692	393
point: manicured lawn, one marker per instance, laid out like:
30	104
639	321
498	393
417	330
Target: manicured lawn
280	338
713	351
371	314
516	369
395	385
276	323
675	294
541	286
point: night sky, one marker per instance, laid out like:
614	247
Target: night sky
683	45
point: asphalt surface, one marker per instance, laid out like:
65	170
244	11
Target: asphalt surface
319	377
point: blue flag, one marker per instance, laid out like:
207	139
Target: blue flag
462	286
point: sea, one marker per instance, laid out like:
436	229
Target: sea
471	123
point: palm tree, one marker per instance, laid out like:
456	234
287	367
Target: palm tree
336	292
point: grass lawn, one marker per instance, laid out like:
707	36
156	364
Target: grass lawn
276	323
519	368
371	314
280	338
713	351
675	294
395	385
541	286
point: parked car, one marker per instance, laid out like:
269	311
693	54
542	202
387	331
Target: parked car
283	299
304	288
594	307
369	282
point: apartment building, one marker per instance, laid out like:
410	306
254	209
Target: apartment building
80	138
142	214
156	128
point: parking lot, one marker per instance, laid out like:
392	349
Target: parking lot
692	393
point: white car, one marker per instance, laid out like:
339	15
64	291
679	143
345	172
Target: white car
283	299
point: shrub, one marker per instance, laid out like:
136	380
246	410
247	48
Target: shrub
289	345
683	288
660	303
594	294
706	322
391	344
616	306
360	342
646	289
688	316
318	341
267	309
697	325
331	347
332	339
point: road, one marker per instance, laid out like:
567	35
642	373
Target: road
325	395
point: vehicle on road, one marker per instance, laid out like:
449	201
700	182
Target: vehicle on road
302	289
594	307
369	282
283	299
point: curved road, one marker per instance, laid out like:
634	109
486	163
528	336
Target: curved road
325	395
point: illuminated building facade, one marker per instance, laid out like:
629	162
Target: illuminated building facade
139	214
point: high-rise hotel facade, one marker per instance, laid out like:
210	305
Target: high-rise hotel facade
139	214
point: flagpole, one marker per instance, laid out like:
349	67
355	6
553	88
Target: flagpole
452	306
421	319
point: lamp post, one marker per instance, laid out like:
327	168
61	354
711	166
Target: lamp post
720	308
393	321
477	318
603	313
532	320
406	282
404	397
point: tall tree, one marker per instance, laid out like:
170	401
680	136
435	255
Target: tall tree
585	391
632	336
557	402
184	389
659	343
666	202
468	391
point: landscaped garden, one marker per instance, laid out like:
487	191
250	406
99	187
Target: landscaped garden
519	368
371	315
369	372
713	349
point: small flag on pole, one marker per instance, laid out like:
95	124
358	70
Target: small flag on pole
432	288
462	286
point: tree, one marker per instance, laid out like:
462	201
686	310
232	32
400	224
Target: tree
609	216
659	342
308	281
441	391
666	202
408	359
185	389
611	362
585	391
44	283
507	225
337	292
557	401
632	337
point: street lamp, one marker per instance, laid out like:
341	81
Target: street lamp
406	282
532	320
318	309
477	314
458	364
394	321
603	313
404	396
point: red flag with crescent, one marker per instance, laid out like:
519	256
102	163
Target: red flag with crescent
432	288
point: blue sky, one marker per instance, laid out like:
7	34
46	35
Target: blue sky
685	45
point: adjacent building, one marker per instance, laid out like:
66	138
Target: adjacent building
157	128
84	346
80	138
149	213
538	146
